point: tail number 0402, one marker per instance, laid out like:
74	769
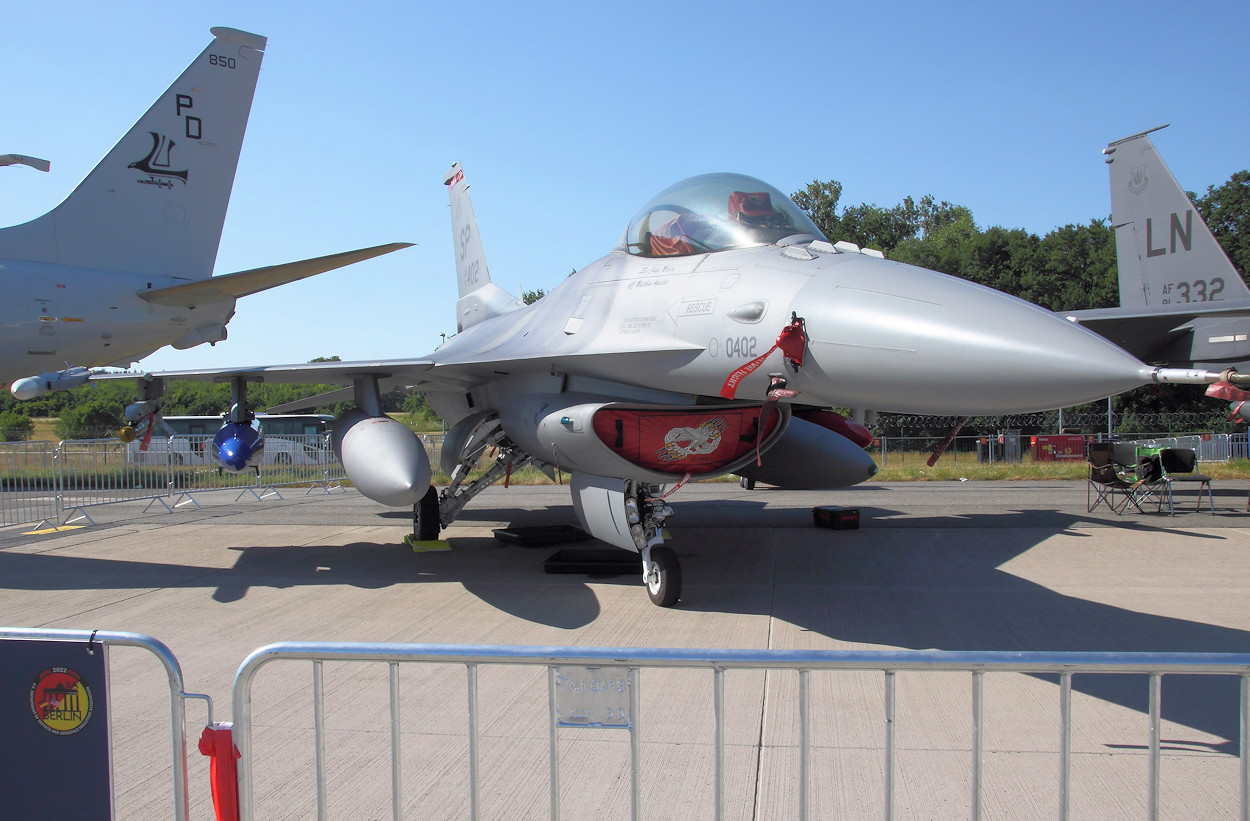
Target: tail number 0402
741	346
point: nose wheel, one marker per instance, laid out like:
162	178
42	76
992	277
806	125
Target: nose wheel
662	574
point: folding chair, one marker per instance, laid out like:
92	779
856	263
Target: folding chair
1150	485
1180	465
1107	478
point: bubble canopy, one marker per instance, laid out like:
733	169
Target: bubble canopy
716	212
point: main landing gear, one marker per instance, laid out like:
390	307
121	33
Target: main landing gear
438	510
662	574
646	514
426	522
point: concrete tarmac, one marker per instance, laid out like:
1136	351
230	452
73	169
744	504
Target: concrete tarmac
950	566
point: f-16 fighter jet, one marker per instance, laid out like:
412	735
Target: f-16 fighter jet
715	338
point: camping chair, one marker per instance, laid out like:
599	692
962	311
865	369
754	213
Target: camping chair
1179	465
1109	477
1149	485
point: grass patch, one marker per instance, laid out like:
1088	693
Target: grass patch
1028	471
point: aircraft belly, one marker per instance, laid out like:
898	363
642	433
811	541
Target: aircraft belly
87	318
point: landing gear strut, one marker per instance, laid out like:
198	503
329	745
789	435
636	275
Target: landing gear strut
661	572
437	510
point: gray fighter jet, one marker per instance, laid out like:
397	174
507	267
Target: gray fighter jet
715	338
1182	303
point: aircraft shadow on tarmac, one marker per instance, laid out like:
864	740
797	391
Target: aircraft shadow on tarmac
934	590
912	583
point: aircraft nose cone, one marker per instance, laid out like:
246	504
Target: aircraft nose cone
894	337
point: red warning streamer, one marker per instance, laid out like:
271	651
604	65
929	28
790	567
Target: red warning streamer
792	343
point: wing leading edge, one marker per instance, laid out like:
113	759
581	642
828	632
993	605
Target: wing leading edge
244	283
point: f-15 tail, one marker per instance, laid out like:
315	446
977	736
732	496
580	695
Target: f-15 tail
156	203
1164	250
479	297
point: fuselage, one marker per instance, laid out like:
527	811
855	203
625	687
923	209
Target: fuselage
87	317
880	335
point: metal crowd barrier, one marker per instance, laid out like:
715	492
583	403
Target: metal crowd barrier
433	444
622	666
103	471
1216	447
58	482
1208	447
177	695
28	487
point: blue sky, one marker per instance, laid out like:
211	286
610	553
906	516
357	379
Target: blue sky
568	116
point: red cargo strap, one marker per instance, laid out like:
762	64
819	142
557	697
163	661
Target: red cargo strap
217	742
674	488
792	341
777	391
1223	389
945	443
1227	391
147	425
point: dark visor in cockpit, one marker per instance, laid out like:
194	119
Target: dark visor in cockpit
716	212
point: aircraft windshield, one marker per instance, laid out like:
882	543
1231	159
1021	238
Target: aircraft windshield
715	212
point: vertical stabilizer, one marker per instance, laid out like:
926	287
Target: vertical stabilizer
1165	253
479	297
156	203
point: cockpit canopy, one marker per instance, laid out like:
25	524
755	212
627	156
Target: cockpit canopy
716	212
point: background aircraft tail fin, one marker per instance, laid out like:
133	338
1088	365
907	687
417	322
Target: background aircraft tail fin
156	203
1164	251
479	297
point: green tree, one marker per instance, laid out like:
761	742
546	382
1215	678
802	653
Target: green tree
94	419
1078	267
947	248
871	226
15	426
530	297
1226	210
819	200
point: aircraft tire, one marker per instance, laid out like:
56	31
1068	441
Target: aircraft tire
425	520
745	483
664	581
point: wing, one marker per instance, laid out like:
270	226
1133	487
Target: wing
1146	332
429	373
245	283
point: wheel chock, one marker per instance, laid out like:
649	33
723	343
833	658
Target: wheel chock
429	546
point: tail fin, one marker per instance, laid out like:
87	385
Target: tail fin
479	297
156	203
1164	250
